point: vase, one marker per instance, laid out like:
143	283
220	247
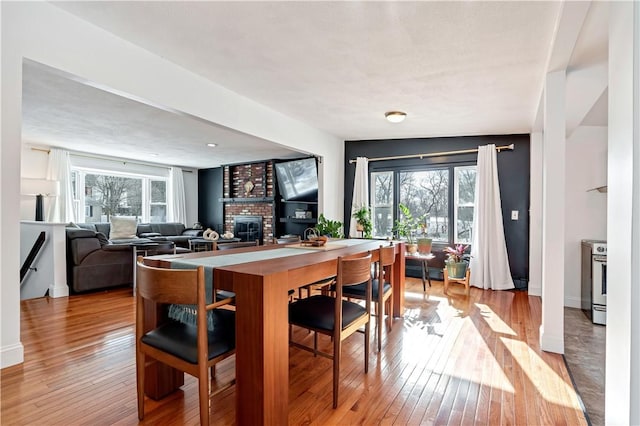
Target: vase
424	245
412	248
457	269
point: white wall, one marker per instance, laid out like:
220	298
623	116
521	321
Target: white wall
586	213
622	381
43	33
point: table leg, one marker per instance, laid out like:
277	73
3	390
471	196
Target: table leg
262	349
398	282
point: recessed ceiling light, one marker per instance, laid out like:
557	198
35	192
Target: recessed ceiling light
153	154
395	116
212	145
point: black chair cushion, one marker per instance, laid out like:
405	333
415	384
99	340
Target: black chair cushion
359	290
180	339
318	312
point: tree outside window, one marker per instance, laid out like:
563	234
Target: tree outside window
112	196
444	195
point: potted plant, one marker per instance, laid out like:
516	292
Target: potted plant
456	260
363	218
407	226
331	228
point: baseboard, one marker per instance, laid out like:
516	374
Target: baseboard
11	355
535	291
58	291
572	302
551	343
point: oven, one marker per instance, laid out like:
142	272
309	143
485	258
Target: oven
594	280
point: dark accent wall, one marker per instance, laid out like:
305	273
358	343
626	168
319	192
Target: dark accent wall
210	209
513	174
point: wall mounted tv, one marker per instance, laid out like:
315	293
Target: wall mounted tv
298	179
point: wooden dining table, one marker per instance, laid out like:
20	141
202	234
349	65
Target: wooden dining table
262	340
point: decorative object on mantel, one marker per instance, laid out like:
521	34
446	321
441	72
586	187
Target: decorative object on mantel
210	235
248	187
227	235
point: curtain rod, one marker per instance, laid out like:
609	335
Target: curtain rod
160	166
436	154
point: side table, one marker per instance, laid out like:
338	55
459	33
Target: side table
424	259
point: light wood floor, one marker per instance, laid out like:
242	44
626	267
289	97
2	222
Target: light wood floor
450	360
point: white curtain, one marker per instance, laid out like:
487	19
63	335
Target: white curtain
360	192
489	262
177	203
61	207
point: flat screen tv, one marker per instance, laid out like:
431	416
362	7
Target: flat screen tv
298	179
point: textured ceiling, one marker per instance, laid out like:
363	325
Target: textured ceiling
456	68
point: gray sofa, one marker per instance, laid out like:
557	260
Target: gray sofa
95	262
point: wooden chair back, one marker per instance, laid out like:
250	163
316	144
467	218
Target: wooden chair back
162	285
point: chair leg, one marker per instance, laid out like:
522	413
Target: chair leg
213	371
337	348
140	383
380	319
367	328
390	312
203	390
315	343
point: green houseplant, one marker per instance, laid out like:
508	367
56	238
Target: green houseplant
363	218
332	228
456	260
407	226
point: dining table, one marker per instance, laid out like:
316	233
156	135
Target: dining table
261	278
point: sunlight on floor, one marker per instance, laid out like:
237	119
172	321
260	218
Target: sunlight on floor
494	321
547	382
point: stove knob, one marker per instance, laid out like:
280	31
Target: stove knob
600	249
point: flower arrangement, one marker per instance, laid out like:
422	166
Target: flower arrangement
456	254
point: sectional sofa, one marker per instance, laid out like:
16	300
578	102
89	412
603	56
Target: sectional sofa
96	261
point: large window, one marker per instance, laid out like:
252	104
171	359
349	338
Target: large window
100	195
444	195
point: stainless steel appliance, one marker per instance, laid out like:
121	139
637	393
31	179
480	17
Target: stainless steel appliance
594	280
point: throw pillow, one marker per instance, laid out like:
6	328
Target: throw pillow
123	227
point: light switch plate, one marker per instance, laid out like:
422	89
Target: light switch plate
514	214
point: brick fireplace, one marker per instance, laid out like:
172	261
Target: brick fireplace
248	191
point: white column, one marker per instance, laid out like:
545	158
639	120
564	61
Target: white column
622	389
535	215
553	208
11	349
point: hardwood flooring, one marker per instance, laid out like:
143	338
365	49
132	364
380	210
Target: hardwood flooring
450	360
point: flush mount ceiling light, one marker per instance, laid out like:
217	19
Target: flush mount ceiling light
212	145
395	116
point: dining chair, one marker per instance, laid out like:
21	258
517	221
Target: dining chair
336	317
191	348
381	289
228	246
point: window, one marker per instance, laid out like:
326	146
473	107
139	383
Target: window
443	194
382	204
109	194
